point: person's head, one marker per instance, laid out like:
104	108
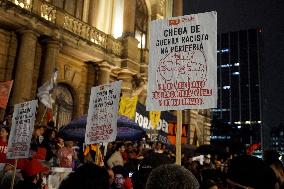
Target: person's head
39	130
60	141
151	161
159	146
120	174
69	143
248	171
171	176
4	132
87	176
119	147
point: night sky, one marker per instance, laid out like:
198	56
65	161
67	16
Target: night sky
235	15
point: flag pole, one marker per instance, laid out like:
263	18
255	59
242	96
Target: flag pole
41	120
14	174
178	137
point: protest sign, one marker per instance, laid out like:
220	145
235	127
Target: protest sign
183	63
102	114
22	129
5	89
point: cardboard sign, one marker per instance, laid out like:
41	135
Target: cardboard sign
183	63
102	113
22	130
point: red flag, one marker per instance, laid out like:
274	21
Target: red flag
252	148
5	89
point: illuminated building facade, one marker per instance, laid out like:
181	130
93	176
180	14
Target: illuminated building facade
90	42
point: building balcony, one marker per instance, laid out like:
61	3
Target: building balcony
58	18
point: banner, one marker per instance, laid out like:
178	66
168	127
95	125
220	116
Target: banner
5	89
102	114
183	63
127	106
22	130
142	118
155	118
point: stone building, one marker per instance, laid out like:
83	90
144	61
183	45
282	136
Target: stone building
90	42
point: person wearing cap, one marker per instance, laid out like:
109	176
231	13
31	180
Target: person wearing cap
33	176
4	133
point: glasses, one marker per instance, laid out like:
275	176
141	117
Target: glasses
118	178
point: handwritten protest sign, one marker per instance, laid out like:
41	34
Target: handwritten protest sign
183	63
22	129
102	113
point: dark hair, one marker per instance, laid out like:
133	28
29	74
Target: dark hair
88	176
6	128
252	172
120	170
118	145
171	176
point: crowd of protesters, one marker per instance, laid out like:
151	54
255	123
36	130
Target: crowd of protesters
128	164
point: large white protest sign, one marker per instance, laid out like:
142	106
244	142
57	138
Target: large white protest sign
22	129
183	63
102	113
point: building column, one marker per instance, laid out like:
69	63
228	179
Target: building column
92	13
25	67
178	8
130	52
126	77
104	73
129	18
50	63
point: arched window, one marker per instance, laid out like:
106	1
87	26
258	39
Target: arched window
73	7
64	104
141	24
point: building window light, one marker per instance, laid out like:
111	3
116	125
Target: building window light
247	122
236	73
226	65
222	50
226	87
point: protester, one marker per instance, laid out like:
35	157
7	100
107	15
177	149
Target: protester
116	158
121	179
151	161
171	176
248	171
66	155
87	176
33	176
4	134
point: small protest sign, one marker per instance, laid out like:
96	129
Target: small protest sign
22	129
102	113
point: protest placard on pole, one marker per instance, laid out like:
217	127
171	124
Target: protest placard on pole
183	66
183	63
102	113
22	129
